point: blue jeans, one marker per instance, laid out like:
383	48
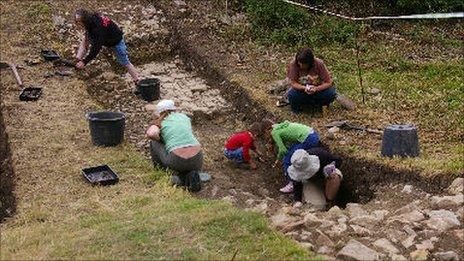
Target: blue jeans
311	141
121	53
298	98
235	155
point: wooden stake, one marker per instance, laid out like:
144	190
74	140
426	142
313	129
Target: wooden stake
358	43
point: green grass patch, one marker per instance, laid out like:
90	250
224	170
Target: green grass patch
137	220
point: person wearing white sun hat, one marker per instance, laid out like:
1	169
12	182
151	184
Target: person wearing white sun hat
173	144
313	164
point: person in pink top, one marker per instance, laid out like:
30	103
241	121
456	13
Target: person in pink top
310	82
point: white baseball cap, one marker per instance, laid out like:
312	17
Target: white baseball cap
304	166
165	105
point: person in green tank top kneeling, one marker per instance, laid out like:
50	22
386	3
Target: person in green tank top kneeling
172	142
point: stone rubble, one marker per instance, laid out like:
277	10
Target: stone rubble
413	231
190	92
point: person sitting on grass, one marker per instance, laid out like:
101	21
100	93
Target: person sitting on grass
295	136
316	164
173	144
310	82
238	146
101	31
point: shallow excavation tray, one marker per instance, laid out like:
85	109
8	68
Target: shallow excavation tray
30	94
102	175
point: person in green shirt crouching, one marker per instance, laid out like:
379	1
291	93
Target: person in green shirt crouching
173	144
289	137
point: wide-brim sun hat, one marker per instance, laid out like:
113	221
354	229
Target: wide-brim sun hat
304	166
164	105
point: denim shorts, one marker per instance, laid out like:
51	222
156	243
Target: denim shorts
235	155
121	53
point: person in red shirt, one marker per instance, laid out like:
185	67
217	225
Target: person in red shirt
238	146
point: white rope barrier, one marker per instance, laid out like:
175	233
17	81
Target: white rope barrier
415	16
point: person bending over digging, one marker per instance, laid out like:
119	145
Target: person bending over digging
173	144
238	146
310	82
295	136
101	31
316	164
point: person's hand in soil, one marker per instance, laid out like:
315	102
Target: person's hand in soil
80	65
260	155
277	164
297	204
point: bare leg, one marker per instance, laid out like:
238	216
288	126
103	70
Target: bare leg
332	184
82	48
133	72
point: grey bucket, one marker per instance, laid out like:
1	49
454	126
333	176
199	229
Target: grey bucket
106	127
400	140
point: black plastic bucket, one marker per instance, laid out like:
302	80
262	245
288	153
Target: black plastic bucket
149	89
106	128
400	140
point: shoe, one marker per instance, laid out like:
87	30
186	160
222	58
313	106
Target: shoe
282	102
287	189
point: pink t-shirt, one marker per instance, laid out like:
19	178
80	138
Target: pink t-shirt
315	76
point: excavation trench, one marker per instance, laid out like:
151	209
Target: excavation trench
219	108
7	197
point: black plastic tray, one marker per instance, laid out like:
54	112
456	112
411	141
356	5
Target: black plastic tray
50	55
102	175
30	94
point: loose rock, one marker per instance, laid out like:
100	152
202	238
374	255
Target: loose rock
261	208
323	240
447	201
457	187
325	250
386	246
355	210
447	256
413	216
419	255
354	250
442	220
407	189
360	231
230	199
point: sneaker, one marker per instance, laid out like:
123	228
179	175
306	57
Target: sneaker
283	101
287	189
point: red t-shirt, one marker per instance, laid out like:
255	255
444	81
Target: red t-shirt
316	75
241	140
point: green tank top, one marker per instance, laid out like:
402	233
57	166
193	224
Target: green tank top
176	132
